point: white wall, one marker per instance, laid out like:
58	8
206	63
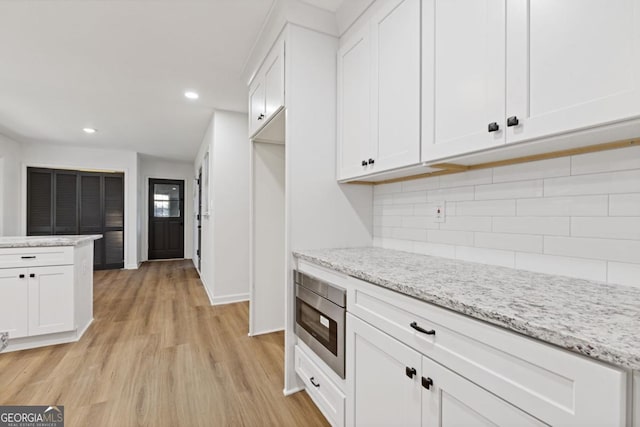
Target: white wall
575	216
10	196
225	231
87	158
153	167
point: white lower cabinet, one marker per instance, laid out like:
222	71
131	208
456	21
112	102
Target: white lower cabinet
51	299
326	395
392	384
14	294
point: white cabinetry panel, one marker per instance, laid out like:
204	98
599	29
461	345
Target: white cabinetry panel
51	300
14	294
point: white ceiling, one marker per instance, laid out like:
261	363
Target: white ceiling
122	67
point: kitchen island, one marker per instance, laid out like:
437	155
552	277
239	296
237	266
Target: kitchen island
46	289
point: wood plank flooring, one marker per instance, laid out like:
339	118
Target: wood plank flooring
158	354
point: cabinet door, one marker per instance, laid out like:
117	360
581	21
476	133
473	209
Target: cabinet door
354	101
381	392
256	105
274	80
51	300
463	76
571	64
451	400
14	293
395	38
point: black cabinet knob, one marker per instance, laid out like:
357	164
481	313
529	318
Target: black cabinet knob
410	371
32	275
21	276
493	127
261	116
364	163
513	121
371	161
427	383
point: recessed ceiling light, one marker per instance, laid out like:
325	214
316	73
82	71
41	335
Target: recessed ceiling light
89	130
191	95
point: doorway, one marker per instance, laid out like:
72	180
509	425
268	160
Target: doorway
166	218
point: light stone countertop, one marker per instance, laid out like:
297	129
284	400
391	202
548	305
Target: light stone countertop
598	320
46	241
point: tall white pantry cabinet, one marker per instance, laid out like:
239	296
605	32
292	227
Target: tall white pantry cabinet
501	73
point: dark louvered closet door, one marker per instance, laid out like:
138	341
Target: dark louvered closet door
39	202
74	202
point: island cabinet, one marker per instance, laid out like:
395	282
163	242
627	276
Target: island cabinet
46	292
379	92
414	364
508	72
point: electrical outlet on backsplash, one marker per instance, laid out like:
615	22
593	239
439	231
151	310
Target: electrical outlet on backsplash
575	216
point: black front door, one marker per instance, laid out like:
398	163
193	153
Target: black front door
166	218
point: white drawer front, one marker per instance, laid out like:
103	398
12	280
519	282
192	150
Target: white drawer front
554	385
324	393
35	257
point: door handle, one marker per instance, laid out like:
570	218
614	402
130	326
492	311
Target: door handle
493	127
21	276
427	383
410	372
32	275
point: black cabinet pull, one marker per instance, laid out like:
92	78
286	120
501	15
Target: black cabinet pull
513	121
32	275
364	163
371	161
29	257
313	381
415	326
427	383
261	116
21	276
493	127
410	371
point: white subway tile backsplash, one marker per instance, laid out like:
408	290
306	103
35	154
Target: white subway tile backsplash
480	176
510	190
486	256
409	234
467	223
602	249
624	274
577	216
512	242
410	197
606	227
451	237
557	226
430	183
606	161
533	170
563	266
485	208
435	249
564	206
601	183
624	204
452	194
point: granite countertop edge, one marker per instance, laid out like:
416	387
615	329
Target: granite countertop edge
566	341
46	241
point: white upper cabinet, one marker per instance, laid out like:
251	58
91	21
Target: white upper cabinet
463	89
571	64
395	99
266	92
354	99
379	92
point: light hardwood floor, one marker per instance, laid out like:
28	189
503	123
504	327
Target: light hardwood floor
158	354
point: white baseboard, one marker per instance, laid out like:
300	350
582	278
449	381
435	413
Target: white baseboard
230	299
289	392
206	289
132	266
268	331
81	333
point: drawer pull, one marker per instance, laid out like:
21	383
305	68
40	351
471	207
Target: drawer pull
415	326
410	371
313	381
427	383
29	257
